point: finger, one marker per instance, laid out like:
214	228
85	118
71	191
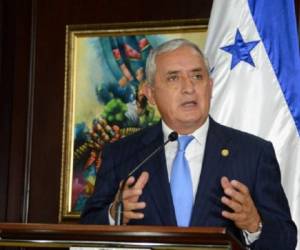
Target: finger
129	215
236	217
236	195
132	193
235	206
130	181
130	206
225	183
142	180
240	186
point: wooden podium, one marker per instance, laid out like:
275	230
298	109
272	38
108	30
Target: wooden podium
116	237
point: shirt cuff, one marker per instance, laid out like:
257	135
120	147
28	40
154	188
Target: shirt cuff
110	218
251	237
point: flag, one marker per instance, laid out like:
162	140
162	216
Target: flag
253	51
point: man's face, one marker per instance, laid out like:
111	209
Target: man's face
181	90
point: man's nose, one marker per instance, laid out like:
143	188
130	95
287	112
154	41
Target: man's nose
188	85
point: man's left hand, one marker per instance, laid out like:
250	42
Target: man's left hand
237	197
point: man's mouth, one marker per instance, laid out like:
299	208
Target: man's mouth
189	104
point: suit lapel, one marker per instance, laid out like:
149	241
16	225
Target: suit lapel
207	200
158	185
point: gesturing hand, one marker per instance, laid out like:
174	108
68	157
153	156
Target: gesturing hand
237	197
130	198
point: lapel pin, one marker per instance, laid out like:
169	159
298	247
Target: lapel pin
225	152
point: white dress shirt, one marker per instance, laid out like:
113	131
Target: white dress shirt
194	152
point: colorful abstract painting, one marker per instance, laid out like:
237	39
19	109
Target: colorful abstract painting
106	76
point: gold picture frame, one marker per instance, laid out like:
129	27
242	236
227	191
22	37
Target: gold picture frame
103	98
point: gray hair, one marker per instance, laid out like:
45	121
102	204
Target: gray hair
169	46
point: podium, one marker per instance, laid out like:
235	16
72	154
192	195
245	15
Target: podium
116	237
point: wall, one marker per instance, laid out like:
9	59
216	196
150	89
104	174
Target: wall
15	51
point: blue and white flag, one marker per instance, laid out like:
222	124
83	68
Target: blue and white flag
252	48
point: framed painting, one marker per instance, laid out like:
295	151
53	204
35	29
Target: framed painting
104	100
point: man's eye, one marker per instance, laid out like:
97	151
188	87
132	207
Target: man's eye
172	78
197	77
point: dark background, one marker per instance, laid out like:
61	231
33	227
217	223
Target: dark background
32	67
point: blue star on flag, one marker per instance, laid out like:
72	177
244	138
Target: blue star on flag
240	50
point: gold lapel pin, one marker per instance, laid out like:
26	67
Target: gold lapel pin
225	152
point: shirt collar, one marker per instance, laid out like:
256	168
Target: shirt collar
199	134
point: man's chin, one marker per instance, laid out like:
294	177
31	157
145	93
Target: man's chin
191	123
191	118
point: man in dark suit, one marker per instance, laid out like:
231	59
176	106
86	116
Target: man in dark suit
235	177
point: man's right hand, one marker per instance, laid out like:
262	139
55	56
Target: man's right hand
130	198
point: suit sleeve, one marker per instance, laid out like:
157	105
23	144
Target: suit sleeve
279	231
106	186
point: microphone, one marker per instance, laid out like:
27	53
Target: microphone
120	206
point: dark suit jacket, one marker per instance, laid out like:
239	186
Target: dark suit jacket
251	160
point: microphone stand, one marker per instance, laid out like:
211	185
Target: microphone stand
120	205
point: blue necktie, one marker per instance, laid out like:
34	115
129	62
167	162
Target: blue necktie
181	184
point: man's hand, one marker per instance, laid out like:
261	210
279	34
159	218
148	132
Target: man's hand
244	213
130	198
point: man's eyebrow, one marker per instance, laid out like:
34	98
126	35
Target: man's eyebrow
172	72
197	70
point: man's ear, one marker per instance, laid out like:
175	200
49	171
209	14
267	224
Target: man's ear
149	92
211	84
